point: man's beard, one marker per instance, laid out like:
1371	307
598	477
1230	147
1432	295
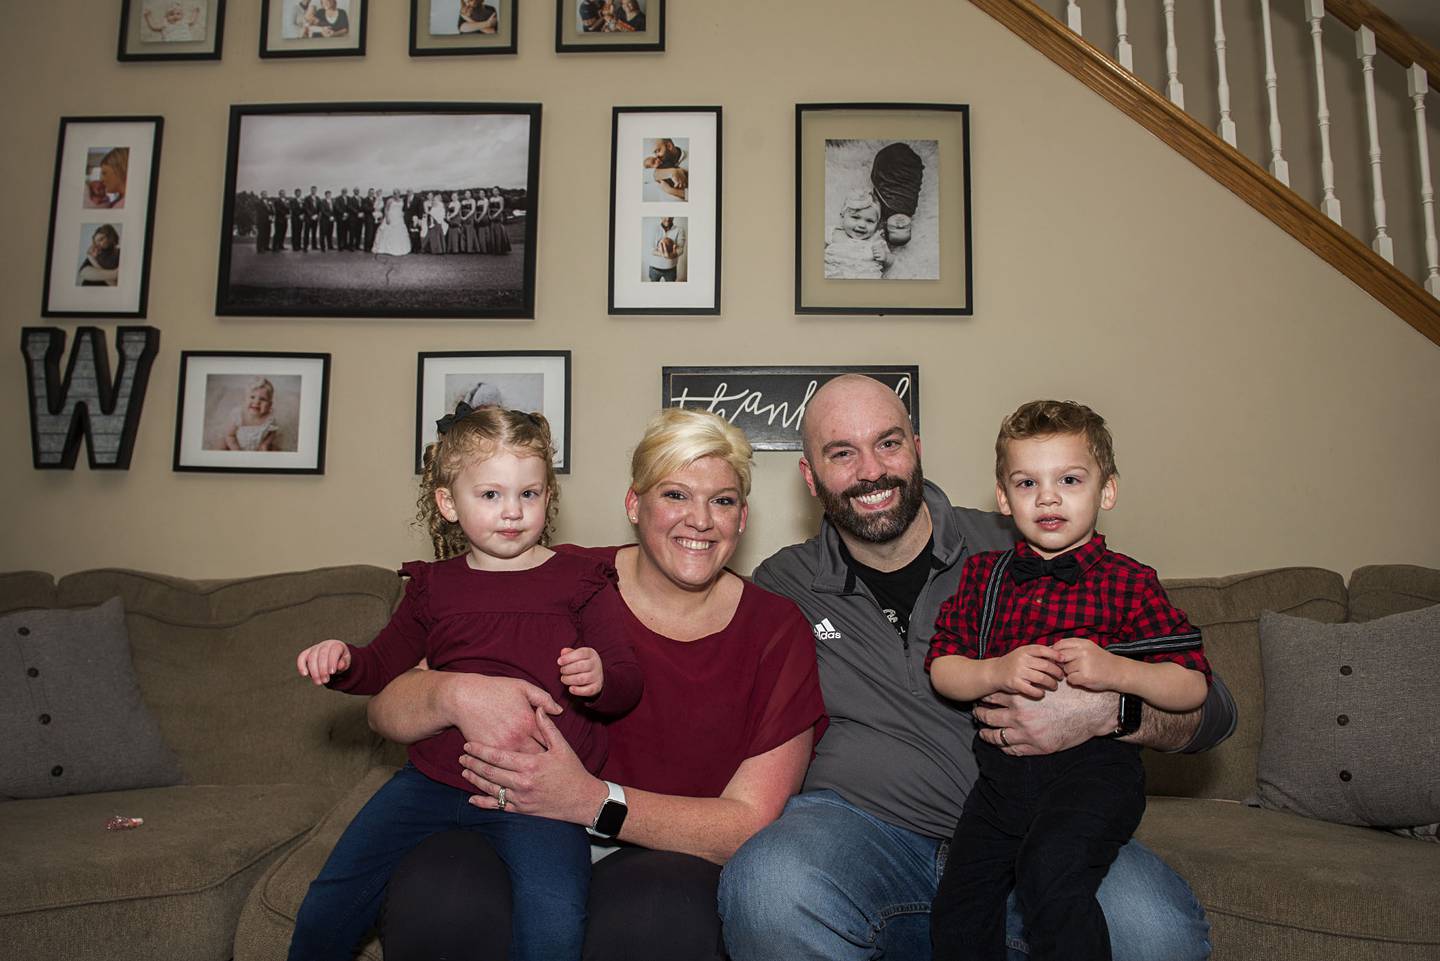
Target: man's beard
881	527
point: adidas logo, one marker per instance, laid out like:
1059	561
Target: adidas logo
825	631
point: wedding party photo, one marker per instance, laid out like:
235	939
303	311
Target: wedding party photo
381	210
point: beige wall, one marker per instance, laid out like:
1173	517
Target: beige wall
1266	410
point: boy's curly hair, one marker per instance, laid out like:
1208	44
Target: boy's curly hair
478	434
1046	418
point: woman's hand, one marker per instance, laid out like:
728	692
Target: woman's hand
551	784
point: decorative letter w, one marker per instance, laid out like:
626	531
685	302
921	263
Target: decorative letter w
86	403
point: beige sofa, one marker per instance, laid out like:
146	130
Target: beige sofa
274	770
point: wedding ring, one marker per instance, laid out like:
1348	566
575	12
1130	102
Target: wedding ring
1004	741
500	799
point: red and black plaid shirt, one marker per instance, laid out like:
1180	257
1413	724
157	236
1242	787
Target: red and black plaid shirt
1118	603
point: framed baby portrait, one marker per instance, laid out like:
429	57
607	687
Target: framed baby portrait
443	28
252	413
102	207
609	26
882	208
665	210
171	29
312	28
534	381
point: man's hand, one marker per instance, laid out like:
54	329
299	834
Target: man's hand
1062	719
1090	666
581	671
1030	670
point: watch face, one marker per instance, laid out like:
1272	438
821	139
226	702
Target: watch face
611	819
1129	713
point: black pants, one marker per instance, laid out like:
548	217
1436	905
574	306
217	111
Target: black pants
1049	827
449	900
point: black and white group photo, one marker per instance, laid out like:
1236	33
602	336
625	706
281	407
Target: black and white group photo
882	209
447	233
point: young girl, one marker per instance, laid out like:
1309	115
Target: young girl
856	248
253	427
497	602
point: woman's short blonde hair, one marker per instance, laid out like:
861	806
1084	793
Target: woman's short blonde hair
675	438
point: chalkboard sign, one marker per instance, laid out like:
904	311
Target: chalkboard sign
768	402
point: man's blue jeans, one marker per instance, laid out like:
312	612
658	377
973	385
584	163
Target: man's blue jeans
830	882
549	864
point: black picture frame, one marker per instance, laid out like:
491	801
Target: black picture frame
425	44
211	380
920	270
135	46
77	282
274	45
639	202
768	402
444	377
325	138
571	38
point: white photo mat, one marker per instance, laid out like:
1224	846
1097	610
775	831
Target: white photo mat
436	370
701	210
70	218
308	456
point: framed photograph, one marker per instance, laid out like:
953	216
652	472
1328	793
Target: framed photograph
380	210
768	402
882	208
252	413
171	29
312	28
102	209
609	26
665	210
443	28
536	381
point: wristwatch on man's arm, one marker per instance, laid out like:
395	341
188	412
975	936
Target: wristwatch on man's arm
611	816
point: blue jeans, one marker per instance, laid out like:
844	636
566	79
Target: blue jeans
830	882
548	862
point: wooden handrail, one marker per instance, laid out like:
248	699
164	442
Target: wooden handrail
1246	179
1392	38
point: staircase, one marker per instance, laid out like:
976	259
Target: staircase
1334	150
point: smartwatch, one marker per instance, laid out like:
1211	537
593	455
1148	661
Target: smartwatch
1127	720
611	816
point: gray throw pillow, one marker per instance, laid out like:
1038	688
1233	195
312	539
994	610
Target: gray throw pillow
71	717
1352	720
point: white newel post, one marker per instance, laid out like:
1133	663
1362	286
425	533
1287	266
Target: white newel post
1122	37
1279	169
1173	89
1419	86
1365	51
1315	12
1072	17
1226	128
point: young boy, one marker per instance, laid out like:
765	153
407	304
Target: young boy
1058	606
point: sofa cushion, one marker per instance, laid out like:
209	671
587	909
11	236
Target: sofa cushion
275	725
1391	588
71	717
171	888
21	590
269	917
1287	888
1227	611
1352	722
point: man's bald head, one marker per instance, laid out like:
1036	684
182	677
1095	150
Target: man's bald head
846	398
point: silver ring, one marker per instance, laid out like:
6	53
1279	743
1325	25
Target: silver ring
500	799
1004	741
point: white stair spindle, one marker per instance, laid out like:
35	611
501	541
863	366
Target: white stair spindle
1279	169
1315	12
1365	51
1419	85
1122	37
1072	17
1226	128
1173	89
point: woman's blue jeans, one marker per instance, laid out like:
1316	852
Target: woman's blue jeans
548	862
830	882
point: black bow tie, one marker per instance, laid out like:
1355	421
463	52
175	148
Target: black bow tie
1027	567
